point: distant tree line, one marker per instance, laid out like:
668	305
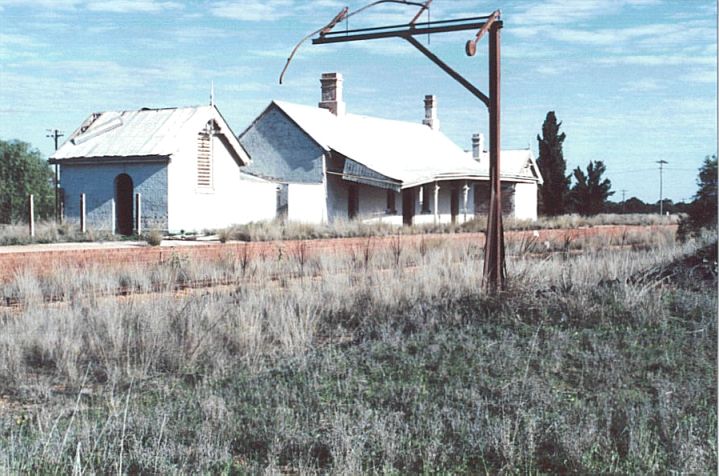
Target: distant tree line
23	171
587	193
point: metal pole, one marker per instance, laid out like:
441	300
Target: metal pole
465	198
57	193
83	221
624	201
55	135
31	215
661	191
112	216
436	203
494	268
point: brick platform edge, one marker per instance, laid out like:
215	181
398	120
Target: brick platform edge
46	262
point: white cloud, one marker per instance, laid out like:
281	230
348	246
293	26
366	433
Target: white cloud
111	6
642	86
702	76
562	12
252	10
656	60
131	6
552	69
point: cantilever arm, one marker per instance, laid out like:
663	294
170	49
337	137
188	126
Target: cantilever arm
471	47
469	86
343	15
421	11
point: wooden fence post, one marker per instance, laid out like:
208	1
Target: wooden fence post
112	216
138	213
31	215
83	220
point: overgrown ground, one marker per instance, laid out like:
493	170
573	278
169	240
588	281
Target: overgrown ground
390	361
50	232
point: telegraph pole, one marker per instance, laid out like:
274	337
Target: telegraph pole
661	191
55	135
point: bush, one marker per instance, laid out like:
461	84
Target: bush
154	238
23	172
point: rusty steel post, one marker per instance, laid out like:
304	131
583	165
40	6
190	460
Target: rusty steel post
494	266
494	269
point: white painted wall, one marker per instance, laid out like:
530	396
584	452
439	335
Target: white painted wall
525	201
373	202
306	203
234	198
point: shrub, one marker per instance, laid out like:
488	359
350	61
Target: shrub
154	237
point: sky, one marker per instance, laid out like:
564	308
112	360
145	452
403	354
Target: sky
632	81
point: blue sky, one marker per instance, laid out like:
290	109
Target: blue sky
633	81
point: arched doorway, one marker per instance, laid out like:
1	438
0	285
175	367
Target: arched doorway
123	204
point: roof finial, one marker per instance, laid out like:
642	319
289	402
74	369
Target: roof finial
212	94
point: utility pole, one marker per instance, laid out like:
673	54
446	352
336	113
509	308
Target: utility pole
624	200
661	191
55	135
494	263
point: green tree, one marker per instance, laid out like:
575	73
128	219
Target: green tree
553	192
590	192
703	210
23	172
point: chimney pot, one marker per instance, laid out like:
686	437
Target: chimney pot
430	112
477	146
332	93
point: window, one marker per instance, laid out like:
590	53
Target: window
391	208
204	158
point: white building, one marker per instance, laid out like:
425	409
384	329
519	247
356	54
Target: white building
332	165
183	163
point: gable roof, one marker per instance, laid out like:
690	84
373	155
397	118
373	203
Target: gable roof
402	154
516	164
144	133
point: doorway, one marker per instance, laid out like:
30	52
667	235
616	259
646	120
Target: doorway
454	204
353	201
123	204
408	206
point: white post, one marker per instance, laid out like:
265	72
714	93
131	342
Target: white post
112	216
436	203
138	213
465	190
31	215
83	220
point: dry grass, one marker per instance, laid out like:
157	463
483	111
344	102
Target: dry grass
273	231
50	232
378	360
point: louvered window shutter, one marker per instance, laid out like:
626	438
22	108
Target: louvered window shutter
204	160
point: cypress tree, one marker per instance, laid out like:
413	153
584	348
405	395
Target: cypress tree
553	192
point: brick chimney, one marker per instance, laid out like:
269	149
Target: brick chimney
332	93
477	146
430	112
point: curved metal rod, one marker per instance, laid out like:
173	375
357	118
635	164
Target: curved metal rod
343	15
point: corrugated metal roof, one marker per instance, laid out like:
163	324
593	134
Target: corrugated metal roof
410	153
143	133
